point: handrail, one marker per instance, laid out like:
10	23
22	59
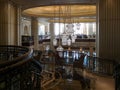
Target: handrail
26	55
10	64
13	66
18	71
99	65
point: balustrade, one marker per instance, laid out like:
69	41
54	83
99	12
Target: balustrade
21	72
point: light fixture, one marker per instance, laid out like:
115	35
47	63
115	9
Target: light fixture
59	48
65	14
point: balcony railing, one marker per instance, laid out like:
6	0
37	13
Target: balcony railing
18	69
101	66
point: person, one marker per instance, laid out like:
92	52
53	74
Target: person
81	60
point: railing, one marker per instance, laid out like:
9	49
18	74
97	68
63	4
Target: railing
18	69
13	54
70	65
100	66
81	62
117	77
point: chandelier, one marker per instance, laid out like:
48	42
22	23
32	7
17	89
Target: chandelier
59	48
64	14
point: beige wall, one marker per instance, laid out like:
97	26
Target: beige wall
109	29
8	23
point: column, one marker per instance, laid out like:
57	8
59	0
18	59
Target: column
19	26
3	23
34	32
109	29
8	23
52	35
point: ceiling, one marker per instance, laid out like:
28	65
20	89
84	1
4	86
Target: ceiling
62	11
47	9
35	3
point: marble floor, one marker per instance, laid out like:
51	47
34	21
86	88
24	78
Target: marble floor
102	82
97	82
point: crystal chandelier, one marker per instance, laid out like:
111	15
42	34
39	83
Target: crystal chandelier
59	48
63	13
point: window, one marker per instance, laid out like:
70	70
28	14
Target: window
41	29
84	28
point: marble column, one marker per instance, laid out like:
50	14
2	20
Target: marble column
19	26
51	28
8	23
34	32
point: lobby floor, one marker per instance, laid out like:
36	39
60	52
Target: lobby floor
101	82
96	83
